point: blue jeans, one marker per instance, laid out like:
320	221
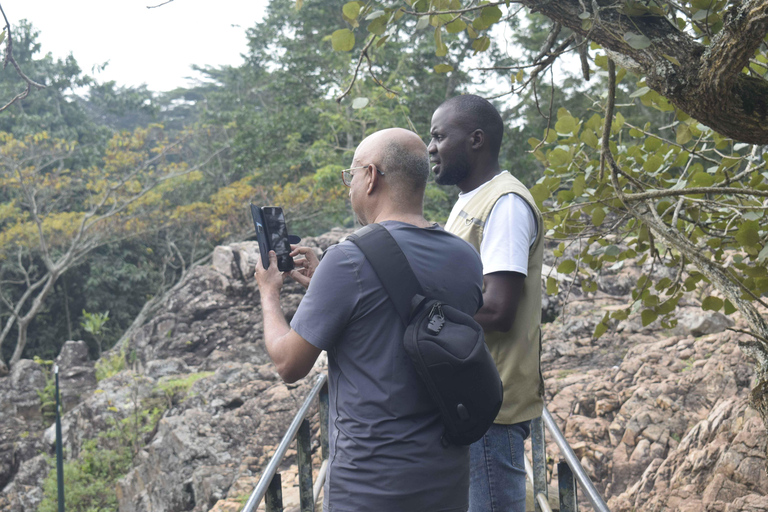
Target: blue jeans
497	469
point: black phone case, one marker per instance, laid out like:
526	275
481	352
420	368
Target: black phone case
262	237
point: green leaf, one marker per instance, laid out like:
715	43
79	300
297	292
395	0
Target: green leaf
566	267
589	138
456	26
351	10
479	24
481	44
729	308
378	26
443	68
422	23
359	103
441	50
637	41
763	254
566	124
343	40
600	329
375	14
671	59
683	135
640	92
621	314
558	157
652	164
540	194
701	179
598	215
552	287
648	316
748	234
703	4
712	304
491	14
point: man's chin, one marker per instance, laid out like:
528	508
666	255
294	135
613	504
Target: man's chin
443	179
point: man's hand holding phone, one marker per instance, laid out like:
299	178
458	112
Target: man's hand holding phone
269	280
304	267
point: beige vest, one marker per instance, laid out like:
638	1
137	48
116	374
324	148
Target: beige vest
517	352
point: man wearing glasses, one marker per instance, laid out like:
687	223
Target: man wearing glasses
385	430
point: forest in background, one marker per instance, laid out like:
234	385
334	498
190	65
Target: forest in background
129	187
110	193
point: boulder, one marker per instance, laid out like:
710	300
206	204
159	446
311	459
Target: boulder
77	376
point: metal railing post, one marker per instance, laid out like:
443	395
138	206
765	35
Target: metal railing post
304	450
274	496
59	445
261	488
587	486
566	483
538	447
323	405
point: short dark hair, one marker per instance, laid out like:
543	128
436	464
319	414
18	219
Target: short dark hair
477	112
407	166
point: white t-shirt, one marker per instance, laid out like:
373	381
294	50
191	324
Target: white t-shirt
509	232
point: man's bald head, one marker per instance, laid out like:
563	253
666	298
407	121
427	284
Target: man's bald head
401	155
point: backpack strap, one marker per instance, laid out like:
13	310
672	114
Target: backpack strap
391	266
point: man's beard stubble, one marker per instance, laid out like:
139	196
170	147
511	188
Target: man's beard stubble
452	174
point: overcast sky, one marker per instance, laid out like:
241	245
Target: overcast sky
151	46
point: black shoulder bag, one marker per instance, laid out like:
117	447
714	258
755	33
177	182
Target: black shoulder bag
447	346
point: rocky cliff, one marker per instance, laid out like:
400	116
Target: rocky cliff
659	418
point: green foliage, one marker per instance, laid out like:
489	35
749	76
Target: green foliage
48	393
172	388
579	202
93	323
90	480
110	365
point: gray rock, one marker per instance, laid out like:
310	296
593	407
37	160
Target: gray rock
702	322
164	367
77	375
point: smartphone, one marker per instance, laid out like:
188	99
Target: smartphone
272	234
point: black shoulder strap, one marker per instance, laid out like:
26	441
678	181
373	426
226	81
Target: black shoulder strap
391	266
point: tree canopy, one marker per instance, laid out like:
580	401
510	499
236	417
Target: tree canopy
681	191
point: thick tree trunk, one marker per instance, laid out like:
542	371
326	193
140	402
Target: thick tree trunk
705	82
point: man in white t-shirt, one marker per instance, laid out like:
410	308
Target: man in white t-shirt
498	216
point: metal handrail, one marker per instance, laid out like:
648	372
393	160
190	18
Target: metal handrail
535	473
573	462
266	478
540	497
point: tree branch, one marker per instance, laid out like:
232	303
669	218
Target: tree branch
9	58
680	68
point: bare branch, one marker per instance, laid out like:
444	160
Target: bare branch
655	194
363	53
159	5
9	58
460	11
605	148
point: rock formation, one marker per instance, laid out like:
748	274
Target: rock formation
659	418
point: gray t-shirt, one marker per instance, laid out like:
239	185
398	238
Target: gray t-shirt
385	450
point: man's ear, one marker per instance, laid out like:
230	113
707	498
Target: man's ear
477	139
373	178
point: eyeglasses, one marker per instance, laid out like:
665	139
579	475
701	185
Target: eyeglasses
346	174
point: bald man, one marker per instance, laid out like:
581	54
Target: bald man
385	430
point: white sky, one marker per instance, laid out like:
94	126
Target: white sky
151	46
